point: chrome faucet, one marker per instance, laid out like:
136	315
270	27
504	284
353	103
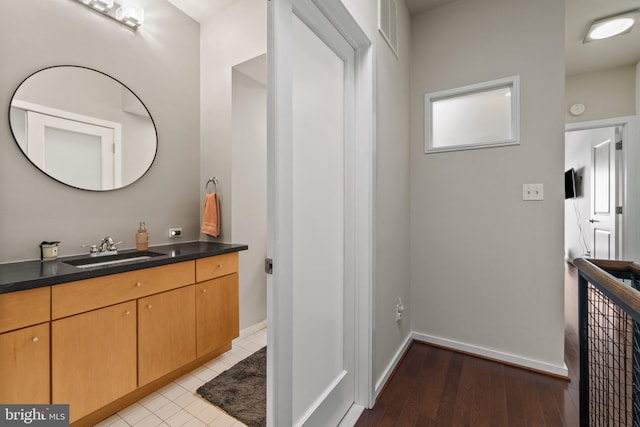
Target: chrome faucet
106	247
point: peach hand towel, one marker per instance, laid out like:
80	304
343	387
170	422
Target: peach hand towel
211	215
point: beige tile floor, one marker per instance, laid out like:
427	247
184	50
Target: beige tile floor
177	404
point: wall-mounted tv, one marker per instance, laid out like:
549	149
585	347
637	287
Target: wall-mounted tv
570	184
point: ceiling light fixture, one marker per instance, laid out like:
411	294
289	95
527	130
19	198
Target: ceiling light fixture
125	13
611	26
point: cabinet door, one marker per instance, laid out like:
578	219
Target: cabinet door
93	358
24	371
217	313
166	333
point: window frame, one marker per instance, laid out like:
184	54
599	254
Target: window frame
430	98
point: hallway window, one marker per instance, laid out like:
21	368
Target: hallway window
475	116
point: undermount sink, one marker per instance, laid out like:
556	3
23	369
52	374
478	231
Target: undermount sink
111	259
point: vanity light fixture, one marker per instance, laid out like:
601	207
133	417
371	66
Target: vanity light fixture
612	26
130	14
102	5
126	13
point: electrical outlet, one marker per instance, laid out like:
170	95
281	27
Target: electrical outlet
399	310
175	232
532	192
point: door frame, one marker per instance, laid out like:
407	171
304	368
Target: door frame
111	151
627	231
279	135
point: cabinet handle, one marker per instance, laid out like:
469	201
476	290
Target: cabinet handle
34	339
128	312
204	291
219	265
148	305
138	284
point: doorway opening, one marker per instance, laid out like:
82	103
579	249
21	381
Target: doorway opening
594	184
249	185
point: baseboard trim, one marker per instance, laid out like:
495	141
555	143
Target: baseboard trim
250	330
391	367
352	416
509	359
496	356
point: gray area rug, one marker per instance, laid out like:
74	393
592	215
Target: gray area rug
241	391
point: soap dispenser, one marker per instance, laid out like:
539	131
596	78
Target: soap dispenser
142	238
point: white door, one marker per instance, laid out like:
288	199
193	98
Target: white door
315	204
603	195
74	151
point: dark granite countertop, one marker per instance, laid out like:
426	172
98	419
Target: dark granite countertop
18	276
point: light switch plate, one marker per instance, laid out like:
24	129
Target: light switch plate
532	192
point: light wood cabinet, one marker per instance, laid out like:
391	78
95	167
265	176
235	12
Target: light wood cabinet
217	266
102	343
166	333
25	308
24	366
216	313
93	360
24	346
84	295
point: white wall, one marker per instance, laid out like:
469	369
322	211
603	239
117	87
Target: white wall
392	195
486	267
161	67
230	37
249	183
606	93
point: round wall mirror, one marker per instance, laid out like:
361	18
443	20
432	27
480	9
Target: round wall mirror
83	128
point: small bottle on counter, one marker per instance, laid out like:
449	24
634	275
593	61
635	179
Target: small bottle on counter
142	238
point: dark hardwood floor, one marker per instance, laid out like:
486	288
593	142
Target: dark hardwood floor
433	386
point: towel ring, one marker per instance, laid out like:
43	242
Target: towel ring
213	180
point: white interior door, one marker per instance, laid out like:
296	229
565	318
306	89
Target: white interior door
323	304
73	151
314	224
603	196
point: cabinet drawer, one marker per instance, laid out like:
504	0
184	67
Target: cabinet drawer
217	266
24	308
90	294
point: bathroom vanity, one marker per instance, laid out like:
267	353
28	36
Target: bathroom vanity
100	338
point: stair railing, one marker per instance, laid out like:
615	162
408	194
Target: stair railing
609	333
